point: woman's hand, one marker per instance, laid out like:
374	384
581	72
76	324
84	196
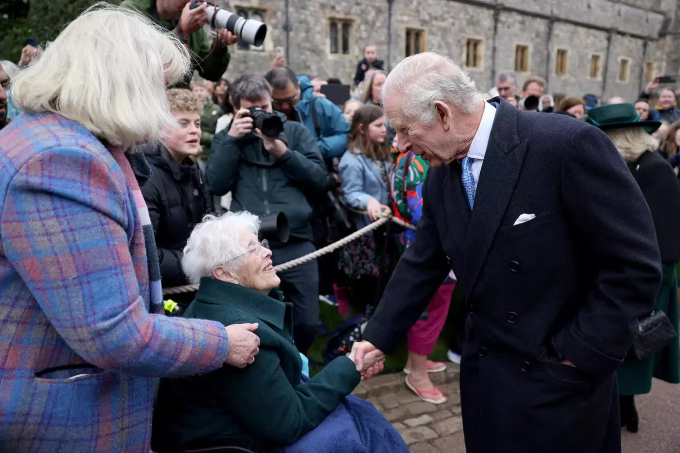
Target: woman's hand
374	209
244	345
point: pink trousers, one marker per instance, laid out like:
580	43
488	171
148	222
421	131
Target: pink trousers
423	335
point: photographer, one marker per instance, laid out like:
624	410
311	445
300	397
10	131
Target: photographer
209	58
267	176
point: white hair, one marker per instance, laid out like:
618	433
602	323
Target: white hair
632	142
11	69
215	242
427	77
108	71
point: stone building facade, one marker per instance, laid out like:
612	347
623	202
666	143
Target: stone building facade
605	47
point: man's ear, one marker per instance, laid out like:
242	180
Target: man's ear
444	114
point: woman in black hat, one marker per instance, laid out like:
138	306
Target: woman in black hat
661	191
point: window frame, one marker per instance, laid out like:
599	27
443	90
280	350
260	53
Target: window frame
562	64
526	50
649	75
345	31
624	61
480	53
600	58
415	41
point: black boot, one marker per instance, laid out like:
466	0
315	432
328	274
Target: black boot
629	415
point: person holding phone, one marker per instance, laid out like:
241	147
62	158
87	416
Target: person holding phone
667	101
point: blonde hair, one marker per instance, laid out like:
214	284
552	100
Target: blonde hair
183	100
367	94
632	142
108	71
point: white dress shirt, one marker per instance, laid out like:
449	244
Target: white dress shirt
481	141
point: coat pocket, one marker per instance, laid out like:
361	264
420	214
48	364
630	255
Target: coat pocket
67	374
516	231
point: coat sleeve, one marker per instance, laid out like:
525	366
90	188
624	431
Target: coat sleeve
221	171
69	243
352	177
334	142
291	410
420	272
609	217
303	166
170	260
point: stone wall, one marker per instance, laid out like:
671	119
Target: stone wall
636	30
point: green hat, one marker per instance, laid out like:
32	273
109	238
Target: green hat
618	116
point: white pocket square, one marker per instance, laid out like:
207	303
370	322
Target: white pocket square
524	218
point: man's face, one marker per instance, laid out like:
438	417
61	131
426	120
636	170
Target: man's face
534	89
370	54
201	92
432	143
184	140
170	9
643	110
507	90
4	86
667	99
285	100
265	103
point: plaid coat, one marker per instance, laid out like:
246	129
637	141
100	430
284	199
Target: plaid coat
79	345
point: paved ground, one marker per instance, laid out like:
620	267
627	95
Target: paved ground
428	428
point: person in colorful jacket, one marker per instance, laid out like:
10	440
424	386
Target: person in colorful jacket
406	187
83	334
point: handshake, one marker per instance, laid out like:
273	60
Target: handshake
368	359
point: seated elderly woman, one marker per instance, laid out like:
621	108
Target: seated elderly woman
269	405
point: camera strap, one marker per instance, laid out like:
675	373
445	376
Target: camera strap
315	117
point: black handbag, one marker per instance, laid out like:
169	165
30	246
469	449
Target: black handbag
656	332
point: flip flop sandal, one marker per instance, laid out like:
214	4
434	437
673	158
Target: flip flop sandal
433	396
432	367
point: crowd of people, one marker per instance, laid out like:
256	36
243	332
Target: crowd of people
125	176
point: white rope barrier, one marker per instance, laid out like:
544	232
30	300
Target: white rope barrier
384	217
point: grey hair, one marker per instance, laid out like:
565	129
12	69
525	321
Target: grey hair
11	69
428	77
279	78
108	71
249	86
507	76
217	242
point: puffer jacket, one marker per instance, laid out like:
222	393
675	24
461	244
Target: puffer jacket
333	127
263	184
177	197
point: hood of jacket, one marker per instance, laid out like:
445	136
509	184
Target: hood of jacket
306	88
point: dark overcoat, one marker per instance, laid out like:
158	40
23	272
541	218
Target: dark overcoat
571	283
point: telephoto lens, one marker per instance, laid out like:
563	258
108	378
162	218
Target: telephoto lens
250	31
269	123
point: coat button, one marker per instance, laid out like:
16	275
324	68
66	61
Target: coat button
472	307
483	351
511	317
514	266
526	366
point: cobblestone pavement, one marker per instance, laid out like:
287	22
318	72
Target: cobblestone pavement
428	428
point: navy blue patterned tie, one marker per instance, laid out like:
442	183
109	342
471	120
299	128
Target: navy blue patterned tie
468	180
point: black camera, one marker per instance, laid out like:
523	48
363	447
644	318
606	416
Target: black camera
274	227
269	123
530	103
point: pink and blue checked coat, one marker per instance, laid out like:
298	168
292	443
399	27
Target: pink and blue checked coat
75	290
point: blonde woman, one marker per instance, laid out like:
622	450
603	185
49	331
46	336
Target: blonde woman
83	332
662	193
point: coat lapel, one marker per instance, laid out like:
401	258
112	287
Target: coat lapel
500	171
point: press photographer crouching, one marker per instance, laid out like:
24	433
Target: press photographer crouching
267	175
210	58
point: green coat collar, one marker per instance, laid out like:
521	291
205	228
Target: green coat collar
269	309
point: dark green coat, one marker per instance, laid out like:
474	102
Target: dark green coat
264	401
262	184
211	113
214	66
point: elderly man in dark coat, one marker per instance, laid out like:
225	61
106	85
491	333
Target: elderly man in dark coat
553	244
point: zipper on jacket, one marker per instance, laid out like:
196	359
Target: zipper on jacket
264	190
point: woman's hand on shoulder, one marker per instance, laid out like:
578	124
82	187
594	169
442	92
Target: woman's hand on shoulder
244	345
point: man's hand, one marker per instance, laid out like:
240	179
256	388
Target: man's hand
28	53
278	62
243	124
224	38
368	359
192	20
244	345
274	147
